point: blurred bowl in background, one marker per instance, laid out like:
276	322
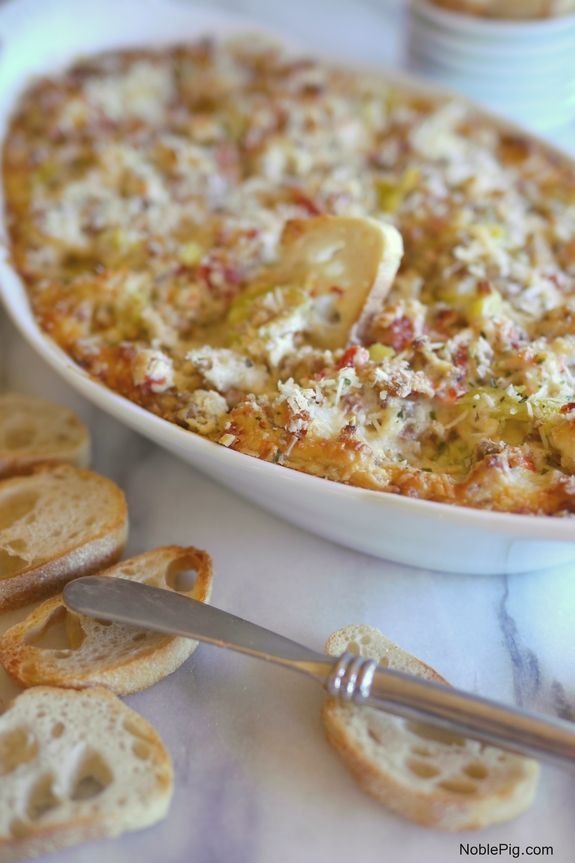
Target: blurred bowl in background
510	9
523	69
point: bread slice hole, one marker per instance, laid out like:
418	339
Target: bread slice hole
141	750
458	786
421	751
132	728
10	564
181	580
58	730
54	634
17	746
16	546
28	669
476	770
375	735
16	506
20	437
423	769
429	732
92	778
42	798
75	631
18	829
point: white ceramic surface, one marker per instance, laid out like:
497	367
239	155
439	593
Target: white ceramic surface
510	58
409	531
495	29
523	68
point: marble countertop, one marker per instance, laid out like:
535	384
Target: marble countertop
255	780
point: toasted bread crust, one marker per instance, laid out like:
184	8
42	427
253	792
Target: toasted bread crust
50	840
100	549
117	665
38	582
347	729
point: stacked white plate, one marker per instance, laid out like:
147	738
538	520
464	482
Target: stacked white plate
523	69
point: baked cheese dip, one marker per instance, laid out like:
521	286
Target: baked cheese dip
307	265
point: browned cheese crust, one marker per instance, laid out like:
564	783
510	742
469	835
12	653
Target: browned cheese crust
147	196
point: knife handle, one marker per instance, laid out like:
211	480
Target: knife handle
358	680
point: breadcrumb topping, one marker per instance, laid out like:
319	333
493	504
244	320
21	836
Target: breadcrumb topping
147	193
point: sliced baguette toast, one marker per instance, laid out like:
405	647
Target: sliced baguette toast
347	264
57	523
425	774
76	766
34	431
86	652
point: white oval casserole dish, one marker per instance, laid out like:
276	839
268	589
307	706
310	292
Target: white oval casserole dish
44	38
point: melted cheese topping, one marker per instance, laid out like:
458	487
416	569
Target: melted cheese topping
147	193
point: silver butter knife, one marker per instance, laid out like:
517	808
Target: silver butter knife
349	678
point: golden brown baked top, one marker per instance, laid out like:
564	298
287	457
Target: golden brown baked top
147	195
